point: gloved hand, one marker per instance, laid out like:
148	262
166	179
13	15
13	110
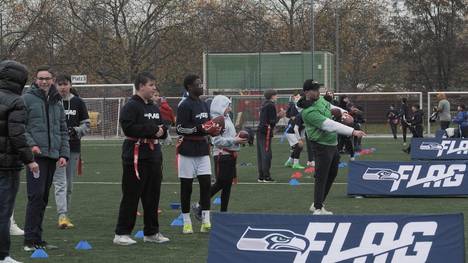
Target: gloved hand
72	133
211	128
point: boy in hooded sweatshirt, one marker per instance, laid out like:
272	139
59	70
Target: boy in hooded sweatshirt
225	150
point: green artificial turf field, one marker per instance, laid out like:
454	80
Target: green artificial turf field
96	199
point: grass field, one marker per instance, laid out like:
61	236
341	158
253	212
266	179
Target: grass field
96	199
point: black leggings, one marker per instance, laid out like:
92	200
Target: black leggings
186	192
296	150
225	170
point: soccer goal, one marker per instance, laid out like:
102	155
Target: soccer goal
104	114
454	97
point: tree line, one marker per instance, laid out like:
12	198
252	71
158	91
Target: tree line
390	45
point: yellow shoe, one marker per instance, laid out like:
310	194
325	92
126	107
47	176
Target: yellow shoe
64	223
205	227
187	229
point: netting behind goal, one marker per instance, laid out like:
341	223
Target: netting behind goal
104	114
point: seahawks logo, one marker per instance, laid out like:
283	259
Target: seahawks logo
279	240
381	174
431	146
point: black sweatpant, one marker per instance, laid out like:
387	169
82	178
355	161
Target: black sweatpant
296	150
444	125
204	182
38	197
404	129
225	171
327	160
148	189
264	155
417	132
347	142
393	127
310	149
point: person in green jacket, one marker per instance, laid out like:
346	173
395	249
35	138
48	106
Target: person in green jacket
322	132
47	134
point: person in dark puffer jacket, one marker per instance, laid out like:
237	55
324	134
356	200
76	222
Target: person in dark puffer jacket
47	134
14	150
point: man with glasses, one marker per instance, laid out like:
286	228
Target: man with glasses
47	134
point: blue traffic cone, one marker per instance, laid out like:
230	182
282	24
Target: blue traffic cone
179	221
83	245
139	234
39	253
217	201
294	182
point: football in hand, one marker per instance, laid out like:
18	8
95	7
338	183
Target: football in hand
219	121
336	113
243	134
347	119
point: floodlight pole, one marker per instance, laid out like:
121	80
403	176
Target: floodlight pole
312	44
337	47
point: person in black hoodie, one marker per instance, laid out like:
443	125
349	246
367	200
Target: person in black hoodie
415	124
14	150
393	120
142	125
265	130
404	118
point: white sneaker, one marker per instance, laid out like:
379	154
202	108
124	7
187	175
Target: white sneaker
9	260
156	238
312	208
123	240
15	230
322	212
352	159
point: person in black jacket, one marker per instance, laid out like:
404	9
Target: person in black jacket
404	118
393	120
142	160
265	130
14	150
193	124
415	124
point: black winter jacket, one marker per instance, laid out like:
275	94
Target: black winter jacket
14	150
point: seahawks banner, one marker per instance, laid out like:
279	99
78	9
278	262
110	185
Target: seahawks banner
417	178
307	238
439	149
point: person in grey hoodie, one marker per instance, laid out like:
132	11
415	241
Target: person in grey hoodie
225	150
47	134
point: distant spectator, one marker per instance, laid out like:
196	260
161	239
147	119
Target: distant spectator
405	116
443	108
393	120
416	124
462	120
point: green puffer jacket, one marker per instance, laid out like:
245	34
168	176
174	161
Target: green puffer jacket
46	124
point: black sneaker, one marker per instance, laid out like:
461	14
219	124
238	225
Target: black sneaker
44	245
30	246
196	210
269	180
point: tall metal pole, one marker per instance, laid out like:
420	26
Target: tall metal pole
1	35
337	47
312	44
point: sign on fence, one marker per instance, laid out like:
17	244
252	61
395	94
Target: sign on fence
308	238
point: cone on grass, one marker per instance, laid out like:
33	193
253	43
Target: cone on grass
139	234
83	245
39	253
217	201
294	182
296	175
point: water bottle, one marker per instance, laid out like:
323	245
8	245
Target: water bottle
36	174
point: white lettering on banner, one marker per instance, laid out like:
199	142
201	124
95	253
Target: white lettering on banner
380	242
203	115
70	112
152	116
451	147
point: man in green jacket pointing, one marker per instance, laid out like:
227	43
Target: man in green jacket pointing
322	132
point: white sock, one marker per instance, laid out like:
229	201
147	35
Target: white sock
290	159
295	161
205	216
187	219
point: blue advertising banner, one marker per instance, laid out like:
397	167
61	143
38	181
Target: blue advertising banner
417	178
439	149
352	238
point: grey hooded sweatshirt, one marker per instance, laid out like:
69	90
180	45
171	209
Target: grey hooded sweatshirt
224	141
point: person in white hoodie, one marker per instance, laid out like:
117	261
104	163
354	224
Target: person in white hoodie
225	150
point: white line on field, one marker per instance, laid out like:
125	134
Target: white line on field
177	183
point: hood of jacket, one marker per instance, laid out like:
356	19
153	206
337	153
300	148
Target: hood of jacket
219	104
13	76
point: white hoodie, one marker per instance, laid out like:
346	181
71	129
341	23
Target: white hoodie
225	140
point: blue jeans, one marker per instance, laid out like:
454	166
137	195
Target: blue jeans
9	183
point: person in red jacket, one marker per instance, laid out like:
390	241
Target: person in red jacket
167	114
